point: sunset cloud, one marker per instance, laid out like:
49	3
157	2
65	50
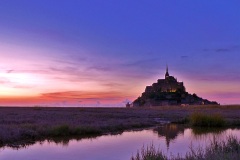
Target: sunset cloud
86	54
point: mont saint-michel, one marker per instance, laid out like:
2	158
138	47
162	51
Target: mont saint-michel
168	91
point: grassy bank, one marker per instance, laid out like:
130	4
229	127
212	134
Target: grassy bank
219	150
24	125
205	120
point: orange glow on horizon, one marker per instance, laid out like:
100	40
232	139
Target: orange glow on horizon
66	99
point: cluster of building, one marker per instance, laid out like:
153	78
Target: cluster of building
168	91
169	84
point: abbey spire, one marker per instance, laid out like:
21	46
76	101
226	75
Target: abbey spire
166	74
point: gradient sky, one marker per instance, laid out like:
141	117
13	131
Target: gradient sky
104	53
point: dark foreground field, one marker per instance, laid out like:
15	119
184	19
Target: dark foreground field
25	125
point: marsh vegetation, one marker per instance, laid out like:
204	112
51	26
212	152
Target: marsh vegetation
219	150
205	120
21	125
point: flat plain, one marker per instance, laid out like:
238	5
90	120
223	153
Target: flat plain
24	125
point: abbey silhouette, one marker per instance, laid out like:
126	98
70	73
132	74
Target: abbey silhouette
168	91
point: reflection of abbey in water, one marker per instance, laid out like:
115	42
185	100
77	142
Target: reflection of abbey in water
168	91
170	132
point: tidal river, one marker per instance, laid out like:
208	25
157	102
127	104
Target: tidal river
171	139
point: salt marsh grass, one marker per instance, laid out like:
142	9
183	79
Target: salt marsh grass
205	120
217	150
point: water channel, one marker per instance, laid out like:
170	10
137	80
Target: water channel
171	139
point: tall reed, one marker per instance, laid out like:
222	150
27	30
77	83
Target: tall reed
217	150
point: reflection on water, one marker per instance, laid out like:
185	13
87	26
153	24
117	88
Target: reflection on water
198	131
170	132
171	139
64	141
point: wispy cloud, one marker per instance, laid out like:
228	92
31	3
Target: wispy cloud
184	57
228	94
83	95
9	71
142	63
32	71
211	77
100	68
223	49
23	86
112	84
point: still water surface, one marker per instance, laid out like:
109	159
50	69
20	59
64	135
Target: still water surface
172	139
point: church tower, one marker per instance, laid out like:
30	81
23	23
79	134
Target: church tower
166	74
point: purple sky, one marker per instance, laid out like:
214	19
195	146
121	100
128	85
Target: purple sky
104	53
